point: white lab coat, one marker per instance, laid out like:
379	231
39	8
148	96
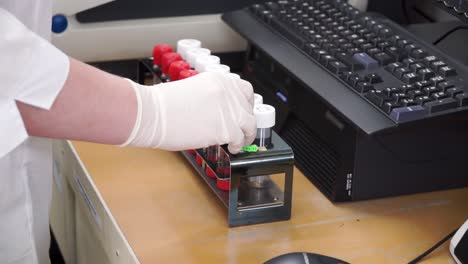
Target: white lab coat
31	71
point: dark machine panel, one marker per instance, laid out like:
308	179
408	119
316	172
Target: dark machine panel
136	9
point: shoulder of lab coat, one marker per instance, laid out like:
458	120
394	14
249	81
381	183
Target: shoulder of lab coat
32	71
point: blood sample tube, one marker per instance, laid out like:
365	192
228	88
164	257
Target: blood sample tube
203	61
158	51
265	115
195	53
175	68
167	59
221	68
184	45
186	74
258	99
223	181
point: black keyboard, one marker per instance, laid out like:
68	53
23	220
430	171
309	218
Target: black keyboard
400	75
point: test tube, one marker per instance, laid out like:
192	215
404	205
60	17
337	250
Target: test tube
158	51
221	68
195	53
186	74
203	61
265	116
258	99
184	45
175	69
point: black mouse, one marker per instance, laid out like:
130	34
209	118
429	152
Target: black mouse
304	258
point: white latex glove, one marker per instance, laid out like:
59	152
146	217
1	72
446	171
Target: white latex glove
204	110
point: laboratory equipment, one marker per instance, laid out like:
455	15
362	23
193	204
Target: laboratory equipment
255	185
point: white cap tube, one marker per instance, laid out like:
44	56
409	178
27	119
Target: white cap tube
185	45
195	53
258	99
265	115
221	68
203	61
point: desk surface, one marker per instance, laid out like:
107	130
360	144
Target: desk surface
168	215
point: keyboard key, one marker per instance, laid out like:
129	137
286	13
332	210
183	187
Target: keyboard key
318	53
426	73
399	96
354	80
408	113
420	85
421	100
409	61
411	78
418	53
440	95
390	91
378	97
436	80
337	67
408	102
431	90
452	92
395	39
436	65
462	99
408	87
416	67
366	60
363	87
445	85
325	59
397	53
429	60
400	72
387	107
394	66
384	58
373	78
446	71
354	64
441	105
415	93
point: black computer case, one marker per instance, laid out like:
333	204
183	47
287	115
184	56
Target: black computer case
346	163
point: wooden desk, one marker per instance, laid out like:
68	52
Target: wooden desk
168	215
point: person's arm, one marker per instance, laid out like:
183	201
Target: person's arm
44	93
92	106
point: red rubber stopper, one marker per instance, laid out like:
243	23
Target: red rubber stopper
223	184
176	67
167	59
210	173
158	51
199	160
186	74
192	151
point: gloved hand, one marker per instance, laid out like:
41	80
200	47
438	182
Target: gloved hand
204	110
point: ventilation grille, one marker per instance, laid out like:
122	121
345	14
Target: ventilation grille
315	158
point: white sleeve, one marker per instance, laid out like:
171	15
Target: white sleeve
32	71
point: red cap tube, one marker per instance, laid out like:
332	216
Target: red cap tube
176	67
167	59
186	74
160	50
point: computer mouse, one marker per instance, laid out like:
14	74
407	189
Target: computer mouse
304	258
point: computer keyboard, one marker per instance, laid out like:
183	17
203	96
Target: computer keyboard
398	74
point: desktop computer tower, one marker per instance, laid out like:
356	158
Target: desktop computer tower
347	163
